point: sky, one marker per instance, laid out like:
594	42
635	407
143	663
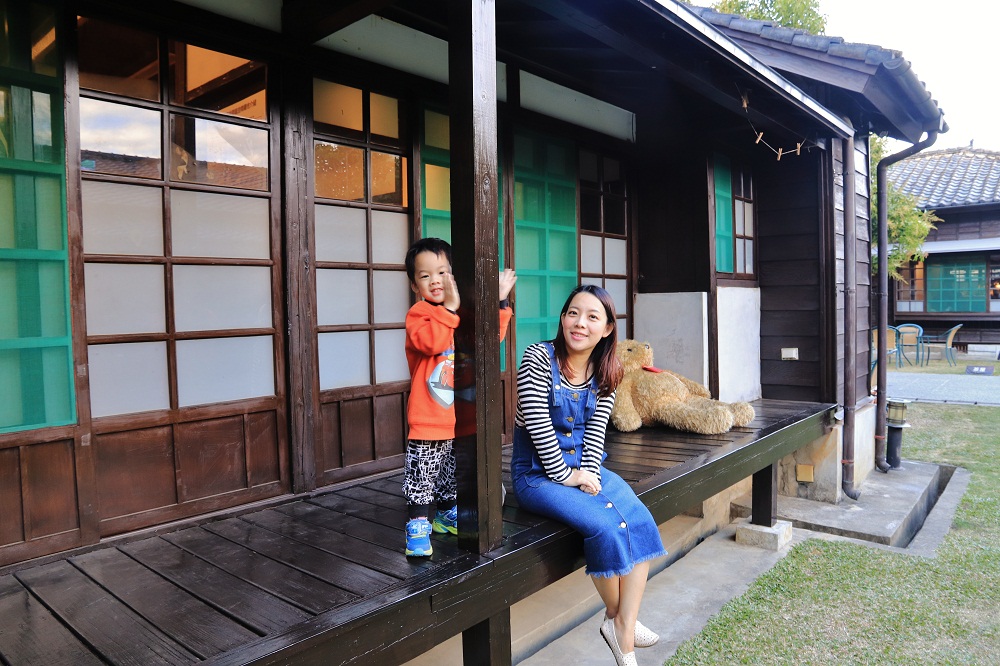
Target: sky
953	47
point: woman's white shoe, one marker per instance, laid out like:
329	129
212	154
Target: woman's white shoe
644	636
608	632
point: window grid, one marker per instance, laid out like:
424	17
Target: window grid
604	213
229	107
910	291
36	354
957	285
372	137
735	221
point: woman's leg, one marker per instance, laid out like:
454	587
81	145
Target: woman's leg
622	596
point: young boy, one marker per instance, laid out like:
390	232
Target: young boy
430	352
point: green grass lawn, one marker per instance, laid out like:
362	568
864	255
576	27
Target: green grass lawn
830	602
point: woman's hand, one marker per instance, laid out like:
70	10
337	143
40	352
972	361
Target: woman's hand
586	481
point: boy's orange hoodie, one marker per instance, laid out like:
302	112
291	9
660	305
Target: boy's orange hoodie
430	354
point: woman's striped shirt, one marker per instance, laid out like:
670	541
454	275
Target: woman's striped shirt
534	383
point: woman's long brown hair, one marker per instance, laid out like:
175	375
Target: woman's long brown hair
607	368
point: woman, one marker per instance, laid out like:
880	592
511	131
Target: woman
565	390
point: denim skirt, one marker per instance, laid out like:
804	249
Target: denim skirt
618	530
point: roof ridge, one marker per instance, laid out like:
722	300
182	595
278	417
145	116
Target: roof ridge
768	29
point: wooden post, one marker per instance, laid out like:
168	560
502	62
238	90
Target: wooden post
764	496
474	189
296	137
473	112
489	641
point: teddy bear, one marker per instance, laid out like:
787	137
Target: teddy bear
649	396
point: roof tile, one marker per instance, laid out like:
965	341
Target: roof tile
949	178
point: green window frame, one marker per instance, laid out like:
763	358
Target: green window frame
735	235
958	284
36	345
546	237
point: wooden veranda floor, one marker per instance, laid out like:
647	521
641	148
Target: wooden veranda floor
323	579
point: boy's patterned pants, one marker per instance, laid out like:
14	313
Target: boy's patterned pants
430	476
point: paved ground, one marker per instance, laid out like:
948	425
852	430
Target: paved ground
966	389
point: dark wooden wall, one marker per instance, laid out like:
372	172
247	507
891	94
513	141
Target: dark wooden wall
964	224
790	266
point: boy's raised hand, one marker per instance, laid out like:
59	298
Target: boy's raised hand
507	280
451	298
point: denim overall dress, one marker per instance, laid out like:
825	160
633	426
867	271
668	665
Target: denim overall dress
618	530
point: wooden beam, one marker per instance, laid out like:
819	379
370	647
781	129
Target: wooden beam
312	20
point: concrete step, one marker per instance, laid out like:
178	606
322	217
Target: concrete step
890	511
546	615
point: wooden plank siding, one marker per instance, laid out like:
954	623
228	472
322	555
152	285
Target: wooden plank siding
323	579
791	264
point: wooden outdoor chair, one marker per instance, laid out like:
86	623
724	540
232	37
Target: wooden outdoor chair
943	342
908	335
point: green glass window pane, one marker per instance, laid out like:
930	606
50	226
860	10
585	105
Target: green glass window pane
31	215
529	200
723	215
529	333
559	288
530	291
529	249
7	235
33	298
48	214
41	127
36	387
119	139
563	206
558	161
545	240
52	298
6	123
437	227
957	285
8	301
562	251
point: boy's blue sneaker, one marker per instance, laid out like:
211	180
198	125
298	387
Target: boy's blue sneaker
446	521
418	538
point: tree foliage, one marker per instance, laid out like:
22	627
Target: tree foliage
801	14
908	224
